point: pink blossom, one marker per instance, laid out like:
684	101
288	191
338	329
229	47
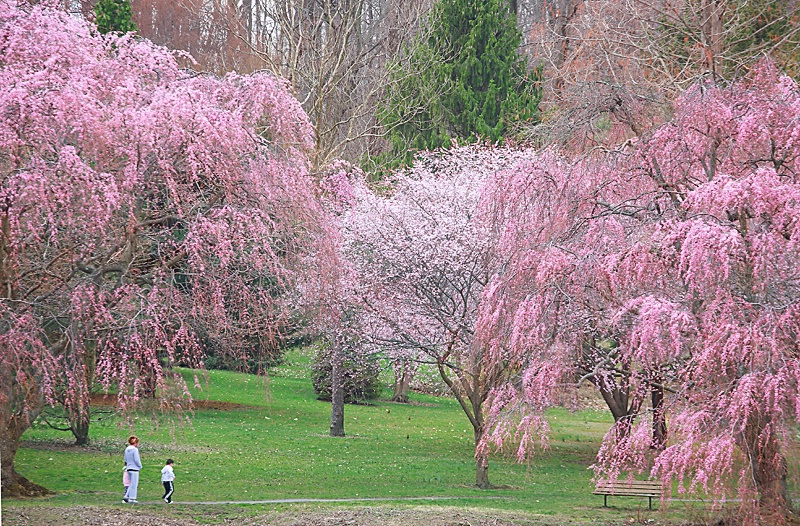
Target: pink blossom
148	214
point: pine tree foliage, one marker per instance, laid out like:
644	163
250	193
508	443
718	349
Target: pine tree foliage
114	15
462	78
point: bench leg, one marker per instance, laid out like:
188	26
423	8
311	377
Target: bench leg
605	501
651	502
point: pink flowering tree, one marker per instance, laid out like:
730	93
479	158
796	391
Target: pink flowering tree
551	309
145	212
682	256
421	261
729	160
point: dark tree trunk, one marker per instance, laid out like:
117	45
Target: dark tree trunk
769	469
622	405
14	484
774	503
19	406
659	441
402	381
337	393
80	410
79	425
514	7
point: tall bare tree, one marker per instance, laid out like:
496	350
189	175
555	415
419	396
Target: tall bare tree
334	54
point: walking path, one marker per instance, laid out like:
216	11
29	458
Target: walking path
368	499
290	501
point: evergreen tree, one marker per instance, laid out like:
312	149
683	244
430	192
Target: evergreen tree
462	78
114	15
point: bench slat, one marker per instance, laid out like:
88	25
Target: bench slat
632	483
631	488
628	494
648	486
614	487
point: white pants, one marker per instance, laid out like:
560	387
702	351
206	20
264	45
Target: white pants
133	488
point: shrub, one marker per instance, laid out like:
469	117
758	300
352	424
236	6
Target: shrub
361	371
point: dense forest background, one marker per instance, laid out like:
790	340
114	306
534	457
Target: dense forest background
597	64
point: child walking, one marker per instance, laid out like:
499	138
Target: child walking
167	479
126	480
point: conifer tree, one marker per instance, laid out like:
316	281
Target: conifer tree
114	15
462	78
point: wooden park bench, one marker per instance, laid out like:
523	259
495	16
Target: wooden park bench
625	488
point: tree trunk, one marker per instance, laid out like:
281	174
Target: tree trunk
711	12
769	471
481	463
470	391
775	506
659	441
402	381
80	410
14	484
624	408
79	425
19	406
337	393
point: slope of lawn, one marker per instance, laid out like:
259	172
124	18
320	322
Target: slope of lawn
274	445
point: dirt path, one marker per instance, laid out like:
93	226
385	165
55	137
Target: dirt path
175	516
294	501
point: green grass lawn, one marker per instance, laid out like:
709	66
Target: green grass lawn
277	447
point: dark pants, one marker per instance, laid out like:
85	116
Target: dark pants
169	487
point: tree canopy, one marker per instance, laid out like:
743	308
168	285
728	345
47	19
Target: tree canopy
146	212
683	252
420	261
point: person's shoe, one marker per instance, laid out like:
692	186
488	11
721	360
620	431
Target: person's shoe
125	500
165	500
133	501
